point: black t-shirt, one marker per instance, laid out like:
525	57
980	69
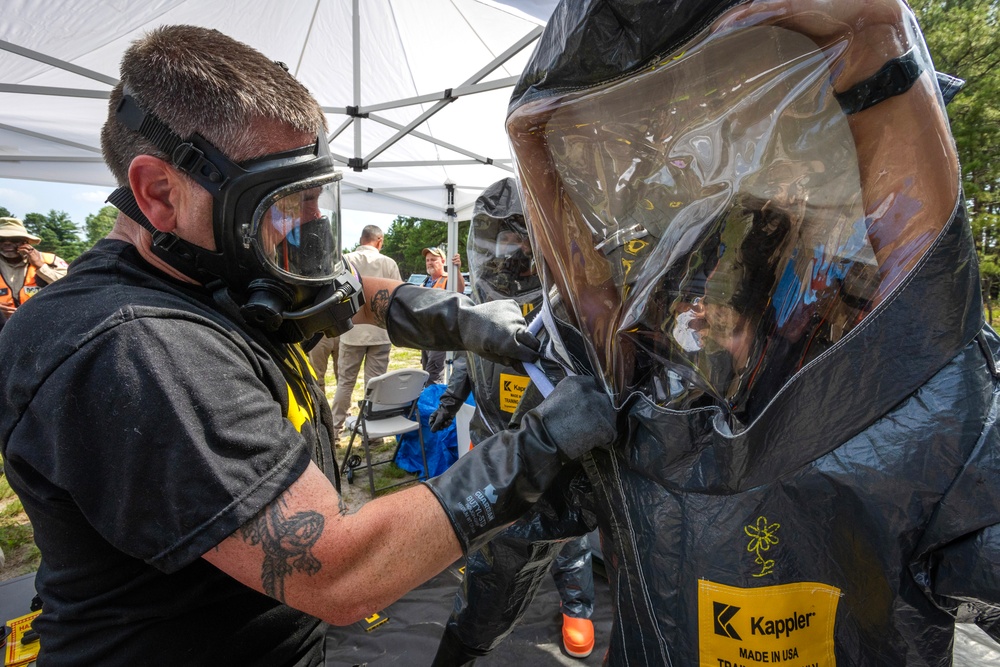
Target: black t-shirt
140	427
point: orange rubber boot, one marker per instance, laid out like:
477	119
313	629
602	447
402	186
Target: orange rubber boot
578	636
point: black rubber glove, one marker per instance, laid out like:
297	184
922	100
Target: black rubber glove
500	478
459	388
441	418
437	319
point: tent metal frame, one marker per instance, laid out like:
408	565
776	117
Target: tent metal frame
356	114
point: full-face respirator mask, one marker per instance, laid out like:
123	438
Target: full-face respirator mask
276	223
513	260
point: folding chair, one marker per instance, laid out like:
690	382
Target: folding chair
389	408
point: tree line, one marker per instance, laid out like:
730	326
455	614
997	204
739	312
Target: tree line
62	236
404	240
964	40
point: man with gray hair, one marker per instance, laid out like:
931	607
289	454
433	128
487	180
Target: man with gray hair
365	342
168	442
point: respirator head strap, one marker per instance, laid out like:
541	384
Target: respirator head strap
187	258
197	158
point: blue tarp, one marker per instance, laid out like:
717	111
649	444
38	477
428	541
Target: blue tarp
441	447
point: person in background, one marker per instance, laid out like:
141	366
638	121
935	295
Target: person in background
753	216
23	269
365	342
501	266
437	278
326	349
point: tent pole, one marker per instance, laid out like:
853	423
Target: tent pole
444	144
55	62
452	234
449	95
48	137
453	271
356	46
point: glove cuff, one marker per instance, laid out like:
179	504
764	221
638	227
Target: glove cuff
487	489
450	402
503	476
424	318
435	319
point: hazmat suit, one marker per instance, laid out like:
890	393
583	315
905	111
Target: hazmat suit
511	566
753	233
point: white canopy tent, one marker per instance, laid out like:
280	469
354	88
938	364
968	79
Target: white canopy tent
415	91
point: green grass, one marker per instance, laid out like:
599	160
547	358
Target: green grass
14	536
11	509
17	539
357	493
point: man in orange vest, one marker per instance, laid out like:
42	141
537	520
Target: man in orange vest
437	276
24	270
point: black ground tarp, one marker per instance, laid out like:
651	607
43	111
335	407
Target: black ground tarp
416	622
410	636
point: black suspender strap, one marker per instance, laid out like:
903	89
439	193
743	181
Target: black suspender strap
894	78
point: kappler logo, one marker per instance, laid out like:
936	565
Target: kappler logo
723	614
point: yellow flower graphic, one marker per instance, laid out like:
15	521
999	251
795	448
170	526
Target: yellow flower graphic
762	536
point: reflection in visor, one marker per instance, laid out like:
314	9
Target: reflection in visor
510	242
706	224
501	262
298	233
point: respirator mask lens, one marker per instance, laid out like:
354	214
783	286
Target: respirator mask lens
296	230
509	243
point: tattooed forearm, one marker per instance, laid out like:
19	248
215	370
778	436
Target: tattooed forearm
380	306
287	543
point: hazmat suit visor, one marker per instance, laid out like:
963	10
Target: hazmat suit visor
501	259
704	218
295	230
501	262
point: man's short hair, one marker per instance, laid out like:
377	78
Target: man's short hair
199	80
371	234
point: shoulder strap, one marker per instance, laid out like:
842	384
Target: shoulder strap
894	78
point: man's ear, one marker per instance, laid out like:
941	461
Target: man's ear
153	182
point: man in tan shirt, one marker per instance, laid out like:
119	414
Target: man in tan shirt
365	342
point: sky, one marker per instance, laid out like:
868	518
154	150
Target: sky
79	201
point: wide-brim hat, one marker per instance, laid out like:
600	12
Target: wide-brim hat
12	228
